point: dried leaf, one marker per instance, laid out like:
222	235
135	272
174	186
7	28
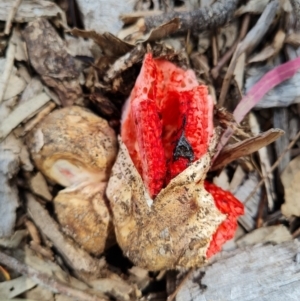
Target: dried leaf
49	57
45	272
50	268
237	179
222	180
290	179
104	106
47	51
281	120
239	72
110	44
14	87
15	287
21	112
113	46
161	31
33	88
59	297
21	53
117	288
227	36
139	276
29	10
293	39
273	234
246	147
79	47
256	34
38	117
270	50
286	6
14	240
135	34
126	61
204	42
39	187
248	220
135	15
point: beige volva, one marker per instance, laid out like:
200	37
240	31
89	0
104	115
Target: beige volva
172	231
76	149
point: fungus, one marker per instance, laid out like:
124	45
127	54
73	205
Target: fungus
165	214
76	149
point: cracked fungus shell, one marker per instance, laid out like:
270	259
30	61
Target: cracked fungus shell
76	149
73	145
173	231
165	216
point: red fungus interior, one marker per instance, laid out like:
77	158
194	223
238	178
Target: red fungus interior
167	122
167	125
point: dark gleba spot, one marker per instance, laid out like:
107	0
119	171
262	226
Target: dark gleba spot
183	148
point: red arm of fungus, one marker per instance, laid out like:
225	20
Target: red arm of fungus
233	208
149	130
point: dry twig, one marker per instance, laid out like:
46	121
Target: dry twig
33	231
77	258
47	253
11	16
45	281
201	19
21	112
39	116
